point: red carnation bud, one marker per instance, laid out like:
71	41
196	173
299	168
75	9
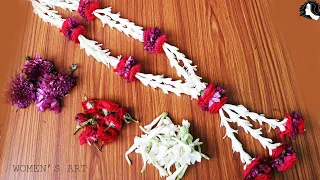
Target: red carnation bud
113	121
81	118
107	136
89	135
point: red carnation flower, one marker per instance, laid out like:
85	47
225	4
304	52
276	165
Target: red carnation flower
107	136
283	157
89	135
81	118
122	112
257	170
89	10
80	30
294	125
134	70
90	106
158	45
113	121
108	105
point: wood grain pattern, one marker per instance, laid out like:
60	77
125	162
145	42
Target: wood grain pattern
255	49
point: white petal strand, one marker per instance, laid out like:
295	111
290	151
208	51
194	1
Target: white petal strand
47	14
267	143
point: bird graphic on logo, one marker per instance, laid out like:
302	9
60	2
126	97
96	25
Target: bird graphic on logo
310	10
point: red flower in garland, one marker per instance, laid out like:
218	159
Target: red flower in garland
154	38
212	98
107	135
89	135
72	29
294	125
86	9
127	68
283	158
257	170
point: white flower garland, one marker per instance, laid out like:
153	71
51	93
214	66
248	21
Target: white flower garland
47	15
193	85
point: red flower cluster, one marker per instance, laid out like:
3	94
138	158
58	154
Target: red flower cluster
86	8
283	158
127	68
102	122
258	169
72	29
212	99
153	40
294	125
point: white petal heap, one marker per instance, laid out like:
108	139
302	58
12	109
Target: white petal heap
165	144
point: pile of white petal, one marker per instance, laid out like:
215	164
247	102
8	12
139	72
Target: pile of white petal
165	144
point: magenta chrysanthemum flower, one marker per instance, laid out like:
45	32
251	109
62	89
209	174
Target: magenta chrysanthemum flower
21	92
51	89
33	69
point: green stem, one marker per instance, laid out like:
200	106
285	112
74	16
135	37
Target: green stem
78	127
128	119
100	149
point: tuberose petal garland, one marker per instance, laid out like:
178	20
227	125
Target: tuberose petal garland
212	97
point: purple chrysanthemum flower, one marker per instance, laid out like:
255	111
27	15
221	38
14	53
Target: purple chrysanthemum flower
33	69
21	92
51	88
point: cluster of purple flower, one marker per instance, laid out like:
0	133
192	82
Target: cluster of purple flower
41	82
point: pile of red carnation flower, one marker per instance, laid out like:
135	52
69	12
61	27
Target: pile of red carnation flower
101	122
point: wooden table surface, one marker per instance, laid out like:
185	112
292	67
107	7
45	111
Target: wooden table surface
262	52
